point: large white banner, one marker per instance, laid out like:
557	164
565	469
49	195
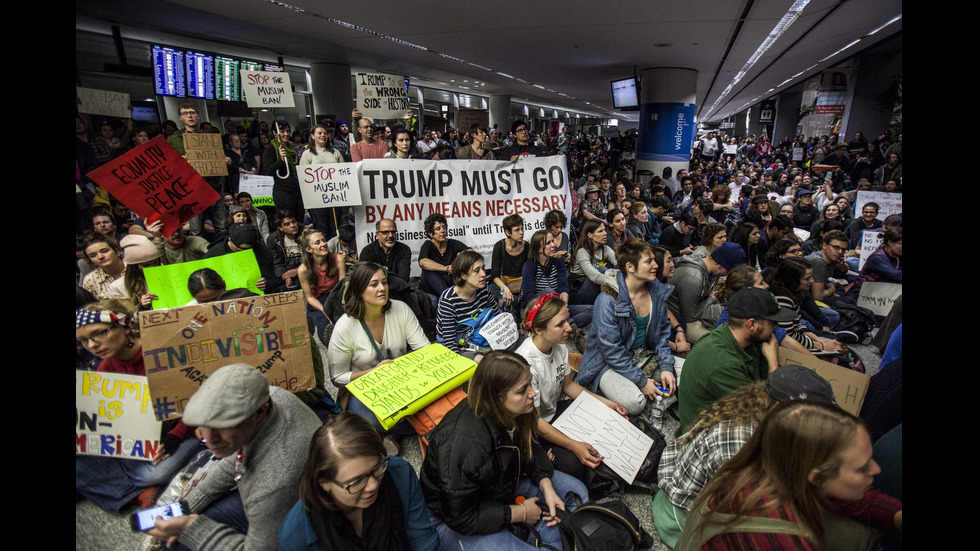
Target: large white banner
474	196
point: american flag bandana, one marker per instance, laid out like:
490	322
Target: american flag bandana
85	317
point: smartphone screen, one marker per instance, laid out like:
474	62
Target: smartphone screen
144	520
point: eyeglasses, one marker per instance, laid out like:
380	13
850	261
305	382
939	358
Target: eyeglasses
360	482
386	232
836	248
96	337
522	129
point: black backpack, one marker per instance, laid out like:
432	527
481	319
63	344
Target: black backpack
603	526
603	481
855	319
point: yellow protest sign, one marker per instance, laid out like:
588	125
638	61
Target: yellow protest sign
114	417
411	382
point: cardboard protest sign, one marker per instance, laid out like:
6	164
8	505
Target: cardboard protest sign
267	89
113	416
879	296
329	185
623	447
381	96
475	196
157	184
848	385
888	203
411	382
183	346
501	331
169	282
259	187
205	153
103	102
870	242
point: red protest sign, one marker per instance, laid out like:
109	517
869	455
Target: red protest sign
157	183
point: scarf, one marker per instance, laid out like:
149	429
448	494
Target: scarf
382	525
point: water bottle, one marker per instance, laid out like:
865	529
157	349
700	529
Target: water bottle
657	413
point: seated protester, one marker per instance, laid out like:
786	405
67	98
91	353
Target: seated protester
815	242
780	250
543	273
373	331
723	208
242	236
800	482
747	236
109	330
780	227
467	297
106	254
354	495
676	237
238	214
257	216
693	281
287	253
629	319
712	236
660	216
138	252
555	222
318	274
343	245
718	433
177	247
790	283
830	211
804	213
484	454
387	251
828	263
868	222
636	223
617	233
436	255
701	209
509	256
259	434
546	320
591	208
678	340
591	259
205	285
103	224
885	264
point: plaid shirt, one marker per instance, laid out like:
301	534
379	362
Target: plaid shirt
97	282
686	468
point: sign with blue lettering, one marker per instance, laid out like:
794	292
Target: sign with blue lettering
666	132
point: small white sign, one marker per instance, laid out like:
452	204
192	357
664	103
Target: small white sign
267	89
501	331
879	297
623	446
870	242
259	187
103	102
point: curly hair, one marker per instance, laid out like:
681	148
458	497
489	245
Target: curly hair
746	406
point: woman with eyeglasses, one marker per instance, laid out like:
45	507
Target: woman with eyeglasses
353	496
485	477
109	329
373	331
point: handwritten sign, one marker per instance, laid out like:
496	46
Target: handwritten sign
259	187
169	282
103	102
622	446
205	153
870	242
113	416
329	185
267	89
731	149
382	96
848	385
183	346
797	153
411	382
501	331
157	184
879	296
889	203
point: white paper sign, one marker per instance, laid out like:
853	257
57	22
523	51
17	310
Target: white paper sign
623	446
103	102
731	149
879	297
382	96
889	203
797	153
267	89
501	331
259	187
329	185
870	241
114	416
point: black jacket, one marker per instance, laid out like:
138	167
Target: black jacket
471	470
